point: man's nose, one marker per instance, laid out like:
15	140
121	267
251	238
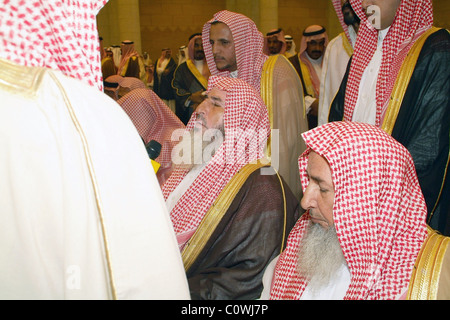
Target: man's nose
307	199
201	109
316	47
214	48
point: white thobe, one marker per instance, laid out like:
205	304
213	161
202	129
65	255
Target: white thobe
82	214
334	65
366	104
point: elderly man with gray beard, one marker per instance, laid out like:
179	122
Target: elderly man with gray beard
231	211
364	234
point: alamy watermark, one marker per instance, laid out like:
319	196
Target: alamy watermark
239	147
73	277
373	13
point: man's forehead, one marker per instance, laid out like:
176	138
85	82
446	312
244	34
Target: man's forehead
222	27
317	40
217	93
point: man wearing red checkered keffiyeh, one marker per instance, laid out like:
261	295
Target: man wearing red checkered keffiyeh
117	86
398	79
61	37
227	261
360	184
154	121
234	48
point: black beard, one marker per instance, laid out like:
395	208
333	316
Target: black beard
351	20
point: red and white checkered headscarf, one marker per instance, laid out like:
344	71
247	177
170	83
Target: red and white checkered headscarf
57	34
248	42
413	18
379	211
247	127
130	83
153	120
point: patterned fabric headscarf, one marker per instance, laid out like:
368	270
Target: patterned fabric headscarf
154	121
379	212
413	18
124	85
57	34
248	42
130	83
152	118
247	127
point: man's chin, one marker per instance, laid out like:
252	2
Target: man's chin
222	66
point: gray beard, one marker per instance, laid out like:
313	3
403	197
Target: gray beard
320	256
193	150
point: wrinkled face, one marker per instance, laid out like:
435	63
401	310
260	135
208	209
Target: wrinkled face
381	13
318	197
315	48
274	45
222	45
210	111
199	54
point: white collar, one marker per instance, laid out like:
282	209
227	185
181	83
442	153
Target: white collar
199	63
382	34
317	62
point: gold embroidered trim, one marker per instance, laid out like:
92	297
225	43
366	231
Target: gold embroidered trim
346	44
93	179
18	79
267	96
402	82
285	212
197	73
26	81
307	79
215	214
424	283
